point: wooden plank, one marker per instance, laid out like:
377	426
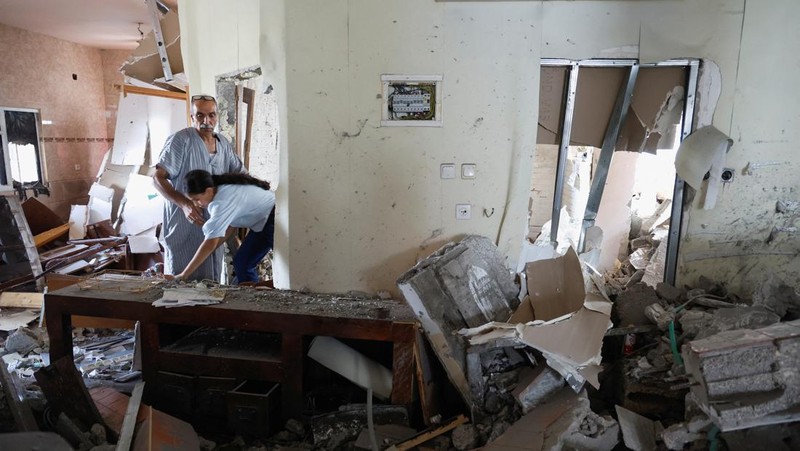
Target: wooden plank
426	379
130	89
429	434
21	300
50	235
248	97
129	423
23	416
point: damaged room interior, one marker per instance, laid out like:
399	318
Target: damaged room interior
394	225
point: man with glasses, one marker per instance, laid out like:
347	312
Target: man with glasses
195	147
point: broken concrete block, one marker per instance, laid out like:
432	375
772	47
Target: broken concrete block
659	316
536	385
678	435
22	341
776	296
694	322
740	318
630	304
669	293
465	437
742	379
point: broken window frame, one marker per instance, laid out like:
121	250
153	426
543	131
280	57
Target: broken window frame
6	179
615	125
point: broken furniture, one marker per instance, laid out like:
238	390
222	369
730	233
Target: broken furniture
291	316
461	285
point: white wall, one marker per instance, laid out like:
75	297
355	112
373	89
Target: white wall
365	201
217	37
729	243
359	204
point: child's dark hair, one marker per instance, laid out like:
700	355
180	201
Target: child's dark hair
199	180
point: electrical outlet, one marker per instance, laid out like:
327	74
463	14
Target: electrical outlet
463	211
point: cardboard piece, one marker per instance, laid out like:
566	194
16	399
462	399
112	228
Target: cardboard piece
572	337
555	286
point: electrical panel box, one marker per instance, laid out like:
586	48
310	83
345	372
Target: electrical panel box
411	100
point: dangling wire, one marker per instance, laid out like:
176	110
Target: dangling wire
141	34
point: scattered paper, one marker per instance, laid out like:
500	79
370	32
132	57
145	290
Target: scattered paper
184	297
78	217
14	321
143	244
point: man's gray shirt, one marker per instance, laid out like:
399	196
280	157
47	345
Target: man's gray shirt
185	151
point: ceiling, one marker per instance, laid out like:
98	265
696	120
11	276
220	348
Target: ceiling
104	24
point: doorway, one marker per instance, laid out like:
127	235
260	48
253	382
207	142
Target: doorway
603	174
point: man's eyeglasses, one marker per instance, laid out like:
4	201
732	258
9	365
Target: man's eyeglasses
203	97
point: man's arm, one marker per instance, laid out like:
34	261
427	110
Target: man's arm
206	248
165	188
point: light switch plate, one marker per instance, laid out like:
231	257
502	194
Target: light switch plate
468	170
447	170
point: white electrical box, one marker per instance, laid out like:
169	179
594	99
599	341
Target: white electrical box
411	100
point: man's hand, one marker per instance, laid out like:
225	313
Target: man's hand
193	213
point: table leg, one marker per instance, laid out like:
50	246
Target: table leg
148	351
59	330
292	356
402	373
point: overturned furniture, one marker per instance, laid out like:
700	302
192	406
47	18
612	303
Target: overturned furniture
461	285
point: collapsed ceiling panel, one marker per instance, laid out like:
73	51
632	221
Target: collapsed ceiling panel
656	109
145	62
597	92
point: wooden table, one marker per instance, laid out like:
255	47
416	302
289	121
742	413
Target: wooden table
292	315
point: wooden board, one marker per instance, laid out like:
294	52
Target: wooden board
21	300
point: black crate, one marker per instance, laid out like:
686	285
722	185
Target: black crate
175	394
254	408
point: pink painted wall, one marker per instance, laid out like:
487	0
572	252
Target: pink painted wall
37	72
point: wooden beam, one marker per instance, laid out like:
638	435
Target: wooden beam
50	235
21	300
23	416
429	434
129	423
130	89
